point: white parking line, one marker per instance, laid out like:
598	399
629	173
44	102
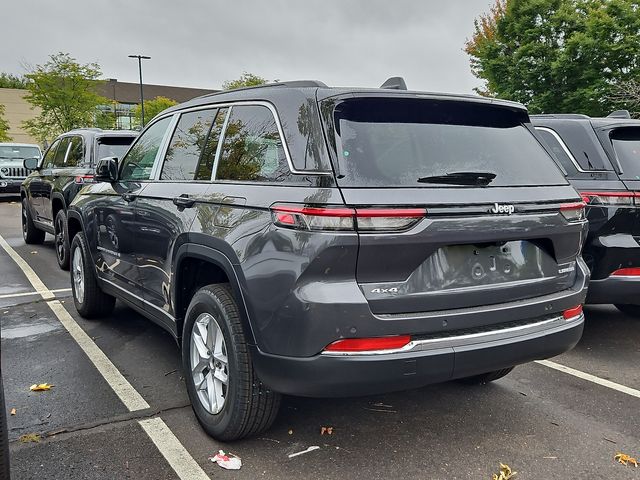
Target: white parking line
591	378
27	294
174	452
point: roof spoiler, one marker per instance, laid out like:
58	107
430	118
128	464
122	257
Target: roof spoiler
619	114
395	83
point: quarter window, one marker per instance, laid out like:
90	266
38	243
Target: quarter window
252	149
554	145
138	162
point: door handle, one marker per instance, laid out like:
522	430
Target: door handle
184	201
129	197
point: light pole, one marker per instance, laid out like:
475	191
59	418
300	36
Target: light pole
140	58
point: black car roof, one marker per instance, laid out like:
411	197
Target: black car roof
597	122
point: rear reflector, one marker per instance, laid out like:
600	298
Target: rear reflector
572	312
368	344
341	218
610	198
573	212
627	272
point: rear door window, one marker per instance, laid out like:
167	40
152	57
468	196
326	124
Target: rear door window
252	149
626	143
390	142
76	152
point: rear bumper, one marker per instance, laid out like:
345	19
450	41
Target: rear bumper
625	290
426	361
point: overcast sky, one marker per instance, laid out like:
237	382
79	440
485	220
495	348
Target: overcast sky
202	43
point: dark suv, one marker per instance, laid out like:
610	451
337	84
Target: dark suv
601	157
66	166
307	240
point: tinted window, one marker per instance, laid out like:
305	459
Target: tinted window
252	149
554	145
138	162
47	161
407	142
113	146
76	153
61	153
626	143
187	145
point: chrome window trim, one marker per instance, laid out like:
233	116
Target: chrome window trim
276	117
223	132
566	150
557	322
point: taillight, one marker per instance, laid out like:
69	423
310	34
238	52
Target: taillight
610	198
368	344
572	312
627	272
573	212
84	179
341	218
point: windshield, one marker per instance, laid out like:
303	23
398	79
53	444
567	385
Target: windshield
411	142
113	146
626	143
12	152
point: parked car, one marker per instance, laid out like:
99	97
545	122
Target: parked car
306	240
67	165
12	171
601	157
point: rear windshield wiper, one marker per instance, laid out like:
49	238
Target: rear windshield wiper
461	178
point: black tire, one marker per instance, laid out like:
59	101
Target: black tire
628	309
249	406
31	235
4	438
61	240
93	302
486	377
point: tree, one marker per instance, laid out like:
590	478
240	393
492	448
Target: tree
151	109
4	126
246	80
557	55
627	95
7	80
65	92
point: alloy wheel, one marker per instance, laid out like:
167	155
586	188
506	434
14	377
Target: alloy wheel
59	238
78	274
209	363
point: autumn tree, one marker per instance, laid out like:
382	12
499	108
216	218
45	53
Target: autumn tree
557	55
4	126
151	109
246	80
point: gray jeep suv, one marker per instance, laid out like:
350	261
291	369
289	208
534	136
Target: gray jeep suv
306	240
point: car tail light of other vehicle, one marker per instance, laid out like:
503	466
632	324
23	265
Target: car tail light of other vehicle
627	272
573	212
345	219
572	313
611	198
80	179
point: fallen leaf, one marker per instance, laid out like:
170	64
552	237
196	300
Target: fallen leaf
625	459
505	473
30	437
13	411
40	387
326	430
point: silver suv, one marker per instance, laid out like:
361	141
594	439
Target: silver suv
12	171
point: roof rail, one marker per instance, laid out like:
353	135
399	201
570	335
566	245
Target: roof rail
619	114
291	84
394	83
576	116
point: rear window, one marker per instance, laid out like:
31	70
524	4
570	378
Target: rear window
389	142
626	143
113	146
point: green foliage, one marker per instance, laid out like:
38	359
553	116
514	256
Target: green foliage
557	55
246	80
4	126
151	109
7	80
65	93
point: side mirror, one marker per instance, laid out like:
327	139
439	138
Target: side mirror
106	170
31	163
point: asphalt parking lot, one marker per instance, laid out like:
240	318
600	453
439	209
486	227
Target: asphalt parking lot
544	423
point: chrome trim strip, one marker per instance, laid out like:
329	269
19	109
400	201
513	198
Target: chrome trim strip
139	298
274	112
566	149
223	132
468	339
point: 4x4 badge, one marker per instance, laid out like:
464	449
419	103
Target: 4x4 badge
502	208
